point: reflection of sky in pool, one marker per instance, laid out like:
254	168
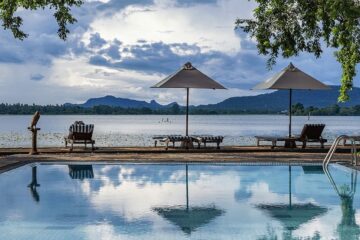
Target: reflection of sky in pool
149	201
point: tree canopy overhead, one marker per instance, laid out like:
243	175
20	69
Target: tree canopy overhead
10	21
288	27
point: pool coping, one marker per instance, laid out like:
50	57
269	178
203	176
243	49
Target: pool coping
235	155
162	150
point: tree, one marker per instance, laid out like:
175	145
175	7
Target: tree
288	27
175	109
298	109
62	14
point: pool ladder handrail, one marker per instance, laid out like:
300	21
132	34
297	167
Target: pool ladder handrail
334	146
353	182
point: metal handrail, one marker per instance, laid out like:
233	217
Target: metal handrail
353	182
334	146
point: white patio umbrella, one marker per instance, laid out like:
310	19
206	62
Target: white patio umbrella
188	77
292	78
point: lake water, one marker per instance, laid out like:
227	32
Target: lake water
178	201
137	130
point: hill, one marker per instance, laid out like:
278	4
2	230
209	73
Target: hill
274	101
278	100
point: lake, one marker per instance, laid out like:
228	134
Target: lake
137	130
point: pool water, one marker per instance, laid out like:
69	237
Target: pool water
179	201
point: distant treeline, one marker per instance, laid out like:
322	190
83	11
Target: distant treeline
333	110
298	109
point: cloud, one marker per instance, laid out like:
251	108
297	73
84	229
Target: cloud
37	77
209	25
96	41
113	52
98	60
124	47
234	70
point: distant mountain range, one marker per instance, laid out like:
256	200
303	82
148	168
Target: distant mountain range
274	101
121	102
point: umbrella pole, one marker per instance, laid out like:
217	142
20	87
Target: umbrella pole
187	111
290	111
187	189
290	203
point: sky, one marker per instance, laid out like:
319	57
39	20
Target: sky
123	47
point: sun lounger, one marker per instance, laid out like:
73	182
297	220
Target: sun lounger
272	139
208	139
80	133
312	133
162	138
171	139
309	133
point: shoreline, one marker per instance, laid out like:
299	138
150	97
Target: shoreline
192	114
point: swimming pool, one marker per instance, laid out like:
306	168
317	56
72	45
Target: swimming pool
178	201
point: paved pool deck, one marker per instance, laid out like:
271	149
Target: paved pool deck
14	157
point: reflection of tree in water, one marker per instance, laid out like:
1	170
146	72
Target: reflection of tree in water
347	228
271	235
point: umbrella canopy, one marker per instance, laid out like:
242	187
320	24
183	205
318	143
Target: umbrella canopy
188	220
291	78
188	77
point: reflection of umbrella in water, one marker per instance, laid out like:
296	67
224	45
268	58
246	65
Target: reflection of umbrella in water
34	184
81	172
310	169
188	77
189	218
348	228
292	215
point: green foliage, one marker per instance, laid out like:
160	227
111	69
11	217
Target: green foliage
298	110
288	27
62	14
175	108
333	110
